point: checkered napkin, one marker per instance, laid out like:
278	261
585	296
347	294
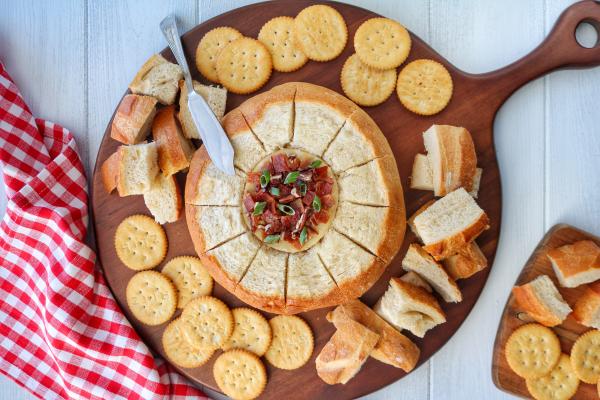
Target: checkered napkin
62	334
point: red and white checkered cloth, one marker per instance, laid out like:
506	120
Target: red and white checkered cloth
62	335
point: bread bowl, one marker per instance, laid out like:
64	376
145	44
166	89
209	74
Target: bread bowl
347	238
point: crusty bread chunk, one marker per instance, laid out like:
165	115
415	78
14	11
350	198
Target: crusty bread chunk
542	301
371	183
206	185
174	150
158	78
421	177
450	224
587	308
392	348
164	199
270	115
138	167
417	260
215	97
414	279
319	115
411	220
346	351
264	281
466	263
109	172
248	150
409	307
133	118
576	264
309	283
452	158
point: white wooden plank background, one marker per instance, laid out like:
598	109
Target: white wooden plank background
73	60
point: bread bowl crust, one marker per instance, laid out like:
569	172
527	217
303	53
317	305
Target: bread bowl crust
452	245
272	304
194	229
357	286
308	92
255	107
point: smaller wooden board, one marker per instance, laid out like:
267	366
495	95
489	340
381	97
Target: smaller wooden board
512	317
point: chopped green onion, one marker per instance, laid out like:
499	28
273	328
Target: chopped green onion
272	239
291	177
303	235
259	207
284	208
303	188
315	164
265	178
316	204
275	191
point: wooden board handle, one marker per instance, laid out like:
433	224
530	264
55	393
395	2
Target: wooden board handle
560	49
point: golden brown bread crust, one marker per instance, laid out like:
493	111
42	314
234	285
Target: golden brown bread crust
466	263
529	302
272	304
392	348
295	306
255	107
234	123
419	294
453	244
191	212
172	157
133	118
395	227
307	92
588	306
370	130
573	259
200	161
357	286
109	172
391	180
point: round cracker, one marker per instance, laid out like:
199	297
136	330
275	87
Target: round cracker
151	297
585	357
179	351
321	33
244	66
292	343
424	87
560	384
206	322
210	47
532	351
240	374
382	43
365	85
140	242
278	36
189	277
251	332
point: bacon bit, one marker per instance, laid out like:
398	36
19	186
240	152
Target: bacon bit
293	163
280	163
321	172
284	190
254	178
264	196
323	188
308	198
298	206
287	199
249	203
322	216
286	222
305	176
327	201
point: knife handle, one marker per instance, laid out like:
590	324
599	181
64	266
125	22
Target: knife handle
168	26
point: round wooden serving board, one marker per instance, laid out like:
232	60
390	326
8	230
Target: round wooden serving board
474	104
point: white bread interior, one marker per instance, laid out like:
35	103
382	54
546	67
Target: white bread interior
409	307
158	78
365	225
466	263
367	183
576	264
414	279
266	274
421	177
164	199
419	261
138	167
228	218
542	301
215	188
235	255
307	277
315	126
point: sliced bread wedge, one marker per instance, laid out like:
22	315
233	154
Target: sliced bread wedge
174	150
417	260
469	261
138	167
452	158
133	119
215	96
587	308
164	199
411	220
158	78
409	307
414	279
542	301
421	178
109	172
449	224
576	264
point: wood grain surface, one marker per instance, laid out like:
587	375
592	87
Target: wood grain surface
474	104
512	317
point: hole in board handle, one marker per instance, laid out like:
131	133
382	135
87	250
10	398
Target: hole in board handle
587	34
